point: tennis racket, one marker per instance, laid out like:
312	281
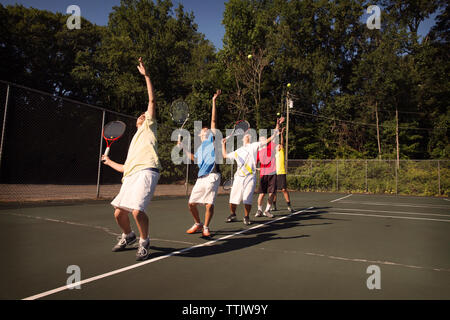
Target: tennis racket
228	184
240	128
112	132
180	112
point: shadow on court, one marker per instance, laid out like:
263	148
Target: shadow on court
253	237
233	244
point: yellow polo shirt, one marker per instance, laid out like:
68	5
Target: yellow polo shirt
280	160
142	152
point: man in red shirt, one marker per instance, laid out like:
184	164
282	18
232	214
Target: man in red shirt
268	178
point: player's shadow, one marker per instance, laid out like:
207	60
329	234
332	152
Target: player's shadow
282	224
254	237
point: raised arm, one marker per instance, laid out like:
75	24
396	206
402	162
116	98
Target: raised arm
279	121
282	137
190	155
213	112
151	97
224	148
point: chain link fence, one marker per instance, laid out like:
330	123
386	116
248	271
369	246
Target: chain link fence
411	177
51	148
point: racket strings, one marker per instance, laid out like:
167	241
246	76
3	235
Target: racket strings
114	130
241	128
180	112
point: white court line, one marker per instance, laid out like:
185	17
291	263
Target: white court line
398	204
382	216
375	262
342	198
357	259
140	264
401	212
108	231
446	200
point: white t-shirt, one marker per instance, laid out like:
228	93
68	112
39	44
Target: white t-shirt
245	158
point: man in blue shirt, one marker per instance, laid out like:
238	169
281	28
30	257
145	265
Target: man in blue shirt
208	181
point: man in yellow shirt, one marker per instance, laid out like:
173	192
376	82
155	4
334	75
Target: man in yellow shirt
281	175
140	177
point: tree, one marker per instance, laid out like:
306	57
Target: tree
39	50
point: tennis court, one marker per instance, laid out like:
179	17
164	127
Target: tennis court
322	251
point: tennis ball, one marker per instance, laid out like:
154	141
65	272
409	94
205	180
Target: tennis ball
288	85
249	56
278	114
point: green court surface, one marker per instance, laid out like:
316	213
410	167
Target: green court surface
322	251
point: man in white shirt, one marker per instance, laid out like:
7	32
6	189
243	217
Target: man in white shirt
244	182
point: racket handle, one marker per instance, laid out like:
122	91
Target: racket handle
107	151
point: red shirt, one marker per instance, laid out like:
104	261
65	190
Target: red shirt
266	156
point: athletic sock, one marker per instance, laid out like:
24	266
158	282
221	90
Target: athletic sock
268	207
260	208
289	204
143	242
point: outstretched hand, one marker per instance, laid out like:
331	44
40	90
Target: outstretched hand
218	92
141	67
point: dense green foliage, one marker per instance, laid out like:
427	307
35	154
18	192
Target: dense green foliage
341	72
425	178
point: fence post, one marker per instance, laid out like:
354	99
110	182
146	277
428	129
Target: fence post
100	156
396	177
187	177
4	126
439	177
367	187
337	175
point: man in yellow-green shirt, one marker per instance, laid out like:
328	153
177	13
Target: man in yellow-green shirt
281	174
140	177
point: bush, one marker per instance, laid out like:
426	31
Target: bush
413	177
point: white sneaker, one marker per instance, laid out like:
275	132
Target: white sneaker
268	214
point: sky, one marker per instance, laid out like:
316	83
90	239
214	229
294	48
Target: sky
208	13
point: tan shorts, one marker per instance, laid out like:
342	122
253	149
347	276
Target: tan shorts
136	191
205	189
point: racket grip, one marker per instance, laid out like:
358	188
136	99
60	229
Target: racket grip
106	151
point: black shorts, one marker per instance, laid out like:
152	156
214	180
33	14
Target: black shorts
268	184
281	182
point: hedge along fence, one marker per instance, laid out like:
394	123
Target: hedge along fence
413	177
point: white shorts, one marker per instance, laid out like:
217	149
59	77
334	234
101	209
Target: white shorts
243	189
205	189
136	191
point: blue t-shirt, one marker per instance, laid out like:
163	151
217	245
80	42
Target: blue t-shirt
206	156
